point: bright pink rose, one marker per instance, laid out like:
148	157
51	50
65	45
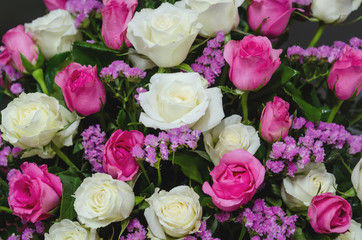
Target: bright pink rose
34	193
16	41
116	15
252	62
236	179
275	121
329	213
273	15
55	4
117	158
346	74
4	56
82	89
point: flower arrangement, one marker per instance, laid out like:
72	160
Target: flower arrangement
185	119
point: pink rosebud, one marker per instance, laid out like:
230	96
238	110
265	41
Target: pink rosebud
346	74
252	62
55	4
82	89
236	179
34	193
4	56
17	41
273	15
117	157
329	213
116	15
275	121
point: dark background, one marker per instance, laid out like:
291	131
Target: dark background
14	12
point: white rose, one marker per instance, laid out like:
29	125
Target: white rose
176	213
333	11
101	200
230	134
298	192
54	32
32	121
214	15
354	232
178	99
140	61
69	230
165	34
356	179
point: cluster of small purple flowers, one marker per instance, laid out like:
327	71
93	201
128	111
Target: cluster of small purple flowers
203	233
265	222
310	146
209	65
28	232
13	75
159	147
120	67
135	231
302	2
93	143
331	53
222	217
5	152
139	90
82	9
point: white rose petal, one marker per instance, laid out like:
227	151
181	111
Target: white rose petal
68	230
101	200
230	134
333	11
54	32
356	179
176	213
354	232
178	99
165	34
214	15
298	192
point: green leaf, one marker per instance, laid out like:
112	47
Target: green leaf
124	226
55	64
139	199
184	67
122	119
40	61
193	166
203	154
288	73
70	184
29	67
298	234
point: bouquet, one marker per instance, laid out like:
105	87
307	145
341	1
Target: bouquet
152	119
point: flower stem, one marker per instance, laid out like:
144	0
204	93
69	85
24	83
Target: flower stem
359	117
346	166
144	171
159	177
242	233
5	209
334	111
317	35
64	157
244	104
39	77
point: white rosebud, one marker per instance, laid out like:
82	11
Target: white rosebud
230	134
54	32
101	200
356	179
176	213
333	11
68	230
298	192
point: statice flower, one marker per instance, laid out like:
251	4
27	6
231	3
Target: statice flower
209	65
11	72
16	88
93	143
120	68
291	154
159	147
265	222
39	227
203	233
355	42
82	9
14	237
135	231
222	216
27	234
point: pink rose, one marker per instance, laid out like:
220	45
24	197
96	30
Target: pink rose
252	62
275	121
17	41
117	158
329	213
82	89
273	15
116	15
4	56
345	77
55	4
236	179
34	193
